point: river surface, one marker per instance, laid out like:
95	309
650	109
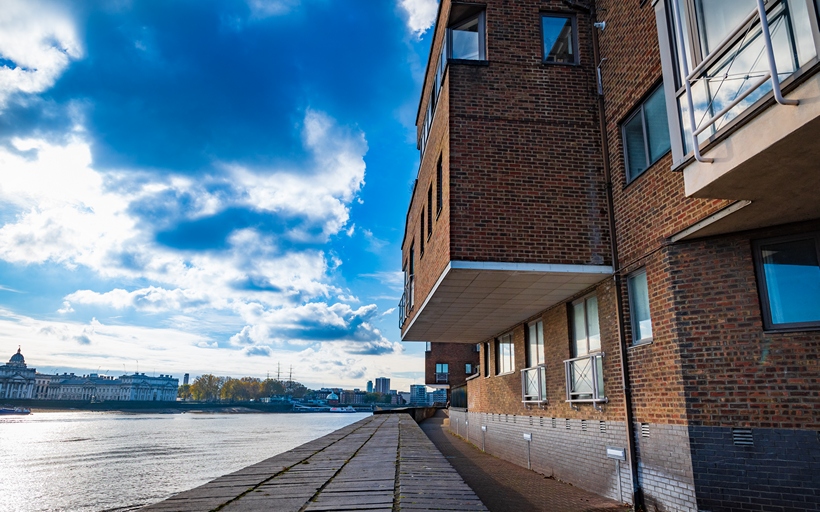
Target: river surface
95	461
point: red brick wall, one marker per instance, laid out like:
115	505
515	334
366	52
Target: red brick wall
457	355
735	373
502	394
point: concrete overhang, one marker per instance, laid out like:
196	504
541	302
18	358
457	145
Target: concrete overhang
771	163
473	301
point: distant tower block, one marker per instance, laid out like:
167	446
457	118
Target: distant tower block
383	385
370	386
185	380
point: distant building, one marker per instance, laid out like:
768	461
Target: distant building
332	398
19	381
185	379
354	397
438	396
418	394
370	386
16	379
383	385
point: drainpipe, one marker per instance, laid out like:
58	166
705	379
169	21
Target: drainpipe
637	492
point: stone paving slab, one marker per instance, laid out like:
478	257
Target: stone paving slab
380	463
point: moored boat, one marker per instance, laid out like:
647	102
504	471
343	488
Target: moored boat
14	410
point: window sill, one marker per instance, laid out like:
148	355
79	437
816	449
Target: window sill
473	376
786	330
641	343
505	373
469	62
570	64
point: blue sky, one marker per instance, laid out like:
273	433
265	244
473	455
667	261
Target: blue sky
209	186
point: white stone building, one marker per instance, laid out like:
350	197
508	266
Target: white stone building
16	379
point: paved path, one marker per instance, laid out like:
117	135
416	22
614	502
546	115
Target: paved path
381	463
506	487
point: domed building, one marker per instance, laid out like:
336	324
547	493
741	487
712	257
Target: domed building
16	379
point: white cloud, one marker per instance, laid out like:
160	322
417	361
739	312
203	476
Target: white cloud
41	40
321	193
421	14
267	8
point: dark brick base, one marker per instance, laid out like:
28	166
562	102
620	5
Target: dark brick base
779	472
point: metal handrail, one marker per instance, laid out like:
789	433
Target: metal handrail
760	13
541	377
572	394
406	302
442	377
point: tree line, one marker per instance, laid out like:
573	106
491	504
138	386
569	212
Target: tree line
211	388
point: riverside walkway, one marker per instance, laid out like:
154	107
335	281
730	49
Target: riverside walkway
380	463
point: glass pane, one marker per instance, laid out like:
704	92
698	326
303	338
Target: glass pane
466	41
745	63
558	39
634	146
793	281
717	18
532	345
600	367
701	102
582	378
639	300
686	44
592	325
579	328
799	15
657	126
540	332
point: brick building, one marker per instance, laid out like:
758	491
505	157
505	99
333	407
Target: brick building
633	292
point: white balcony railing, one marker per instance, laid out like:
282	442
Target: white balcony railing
585	379
737	71
534	384
442	378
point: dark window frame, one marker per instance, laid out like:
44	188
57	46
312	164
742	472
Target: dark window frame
639	111
486	368
439	184
574	19
421	233
763	286
430	212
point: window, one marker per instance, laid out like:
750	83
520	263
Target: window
411	275
788	273
468	369
646	135
535	343
504	357
558	35
439	181
421	233
585	371
430	211
639	307
466	38
586	334
486	359
442	368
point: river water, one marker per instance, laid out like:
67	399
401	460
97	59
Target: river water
95	461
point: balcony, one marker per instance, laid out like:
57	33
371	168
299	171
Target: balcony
585	379
406	301
473	301
749	108
442	378
534	385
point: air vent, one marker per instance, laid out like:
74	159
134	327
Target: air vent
568	425
555	424
742	436
644	429
541	421
530	420
583	425
602	427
